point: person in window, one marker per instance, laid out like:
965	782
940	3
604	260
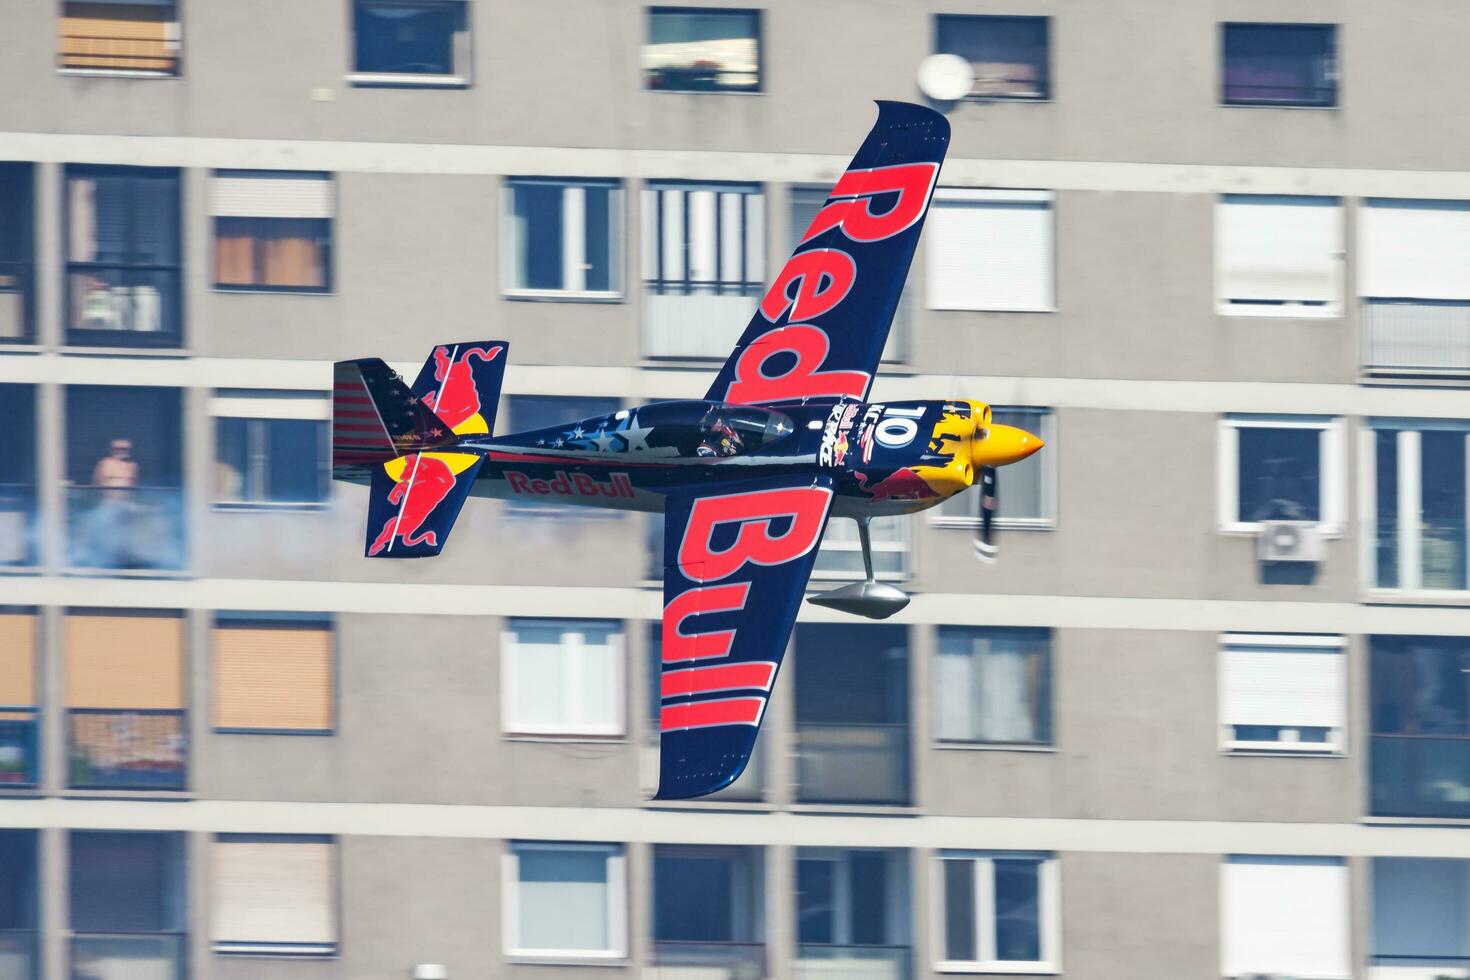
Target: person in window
109	525
720	438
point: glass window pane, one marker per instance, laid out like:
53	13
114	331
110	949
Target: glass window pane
232	460
1280	471
869	896
814	897
1386	546
1008	54
694	897
959	910
1280	64
538	223
294	473
994	685
599	238
540	671
563	900
699	51
601	691
1017	909
406	38
1442	506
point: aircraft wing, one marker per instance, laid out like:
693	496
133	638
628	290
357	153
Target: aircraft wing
820	330
736	561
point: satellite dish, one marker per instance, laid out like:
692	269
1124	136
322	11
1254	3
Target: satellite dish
945	77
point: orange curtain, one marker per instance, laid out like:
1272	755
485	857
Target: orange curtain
293	256
234	251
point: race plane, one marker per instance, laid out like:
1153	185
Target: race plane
746	477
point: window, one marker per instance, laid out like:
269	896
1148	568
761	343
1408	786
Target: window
17	221
1282	693
565	900
841	553
703	266
18	533
563	237
111	37
1008	54
852	713
270	449
1026	494
1421	916
1280	468
1419	504
1416	299
124	478
702	49
272	230
707	902
530	413
852	907
274	673
122	257
993	684
1278	256
19	698
1001	912
410	42
562	678
1280	65
19	904
274	895
127	903
1420	700
127	728
1284	915
990	250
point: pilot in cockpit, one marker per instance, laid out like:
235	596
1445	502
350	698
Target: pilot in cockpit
719	438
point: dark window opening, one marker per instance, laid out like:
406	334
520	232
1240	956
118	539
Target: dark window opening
702	50
1280	65
1009	55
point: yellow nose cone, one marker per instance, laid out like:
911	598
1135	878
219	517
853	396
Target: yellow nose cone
1003	444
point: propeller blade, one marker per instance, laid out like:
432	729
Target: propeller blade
985	547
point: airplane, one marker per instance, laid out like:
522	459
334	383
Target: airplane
746	477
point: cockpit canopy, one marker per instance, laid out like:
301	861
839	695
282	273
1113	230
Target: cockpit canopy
712	429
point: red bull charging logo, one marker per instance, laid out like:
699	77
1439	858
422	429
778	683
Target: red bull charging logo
423	480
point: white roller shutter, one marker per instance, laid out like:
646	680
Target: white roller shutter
273	895
1414	249
1274	250
236	194
990	250
1290	682
1285	915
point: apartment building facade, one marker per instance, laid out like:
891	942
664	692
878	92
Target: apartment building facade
1214	254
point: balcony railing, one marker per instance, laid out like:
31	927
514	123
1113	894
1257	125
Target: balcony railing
17	524
127	956
695	319
140	749
852	763
19	954
125	528
1416	336
1421	776
679	960
19	737
123	306
15	302
822	961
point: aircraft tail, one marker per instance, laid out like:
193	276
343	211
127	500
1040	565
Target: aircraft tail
395	438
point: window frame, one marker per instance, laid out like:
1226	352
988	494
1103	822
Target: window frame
1332	56
169	339
266	405
1337	743
946	197
617	906
1045	87
1047	430
1049	913
246	948
757	14
1228	952
616	233
1409	554
512	727
903	547
1049	744
173	42
328	240
461	77
1331	464
1286	309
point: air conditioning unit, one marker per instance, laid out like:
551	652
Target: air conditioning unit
1289	541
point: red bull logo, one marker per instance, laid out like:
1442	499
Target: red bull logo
902	484
457	400
618	485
